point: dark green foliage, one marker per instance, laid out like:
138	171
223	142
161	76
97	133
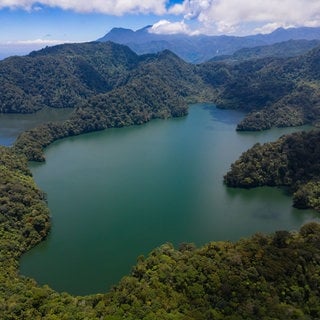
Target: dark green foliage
300	107
158	87
292	161
62	76
277	92
264	277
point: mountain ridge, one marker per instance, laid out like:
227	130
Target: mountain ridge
200	48
275	91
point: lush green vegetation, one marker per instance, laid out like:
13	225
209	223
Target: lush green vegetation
108	85
111	87
62	76
276	92
265	277
291	161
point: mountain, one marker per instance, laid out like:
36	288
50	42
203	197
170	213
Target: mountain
107	84
197	49
285	49
62	76
281	34
276	92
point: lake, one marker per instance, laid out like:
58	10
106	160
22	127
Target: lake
117	194
12	124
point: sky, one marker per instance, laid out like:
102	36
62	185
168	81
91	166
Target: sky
26	24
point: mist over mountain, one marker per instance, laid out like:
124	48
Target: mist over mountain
200	48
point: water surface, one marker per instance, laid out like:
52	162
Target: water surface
12	124
117	194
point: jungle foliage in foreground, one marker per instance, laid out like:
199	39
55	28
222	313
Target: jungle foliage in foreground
291	161
264	277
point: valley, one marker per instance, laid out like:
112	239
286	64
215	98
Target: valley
108	86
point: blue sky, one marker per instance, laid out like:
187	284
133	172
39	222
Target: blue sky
28	24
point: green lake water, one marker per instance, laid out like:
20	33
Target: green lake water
12	124
117	194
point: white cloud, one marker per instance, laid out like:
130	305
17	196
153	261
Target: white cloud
22	47
231	16
198	16
167	27
268	28
118	7
41	42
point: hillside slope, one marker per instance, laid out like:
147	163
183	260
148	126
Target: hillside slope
113	88
277	92
291	161
62	76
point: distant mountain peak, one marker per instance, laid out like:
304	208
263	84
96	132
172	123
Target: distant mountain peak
146	28
119	35
200	49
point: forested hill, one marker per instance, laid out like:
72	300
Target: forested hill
284	91
277	91
291	161
264	277
107	84
66	75
63	76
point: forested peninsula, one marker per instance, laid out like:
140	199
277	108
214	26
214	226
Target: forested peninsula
291	161
264	277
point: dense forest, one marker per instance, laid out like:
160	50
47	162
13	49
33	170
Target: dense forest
276	92
291	161
108	85
264	277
